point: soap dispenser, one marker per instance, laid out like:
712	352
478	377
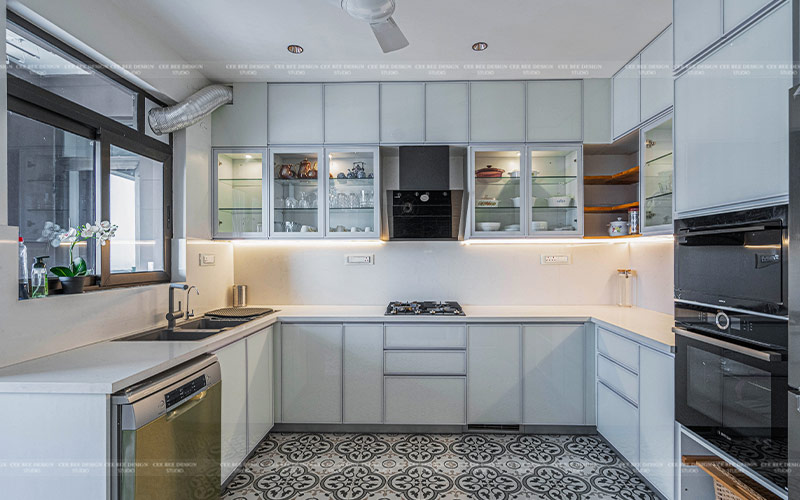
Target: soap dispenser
39	286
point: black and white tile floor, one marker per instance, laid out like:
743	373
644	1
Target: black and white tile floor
435	467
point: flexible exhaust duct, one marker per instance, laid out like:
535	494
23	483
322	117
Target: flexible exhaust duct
191	110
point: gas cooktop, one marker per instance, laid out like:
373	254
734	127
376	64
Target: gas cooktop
424	309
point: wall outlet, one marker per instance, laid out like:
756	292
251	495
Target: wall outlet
359	260
556	260
208	259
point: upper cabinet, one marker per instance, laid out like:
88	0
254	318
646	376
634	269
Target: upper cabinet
656	74
403	113
697	24
239	192
295	114
555	111
352	113
243	123
597	111
656	176
497	111
737	11
447	112
731	130
626	92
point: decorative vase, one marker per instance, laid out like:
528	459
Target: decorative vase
72	284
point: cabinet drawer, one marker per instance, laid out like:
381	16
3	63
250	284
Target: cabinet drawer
425	363
618	378
618	422
619	349
425	337
425	400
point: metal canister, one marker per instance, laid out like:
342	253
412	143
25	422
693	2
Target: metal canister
239	295
633	221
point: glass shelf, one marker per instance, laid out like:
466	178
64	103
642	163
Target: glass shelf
240	209
659	196
356	182
662	157
492	180
571	207
296	182
553	179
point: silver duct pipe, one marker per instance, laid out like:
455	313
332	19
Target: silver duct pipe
191	110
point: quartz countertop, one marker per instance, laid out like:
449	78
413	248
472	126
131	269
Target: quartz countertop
108	367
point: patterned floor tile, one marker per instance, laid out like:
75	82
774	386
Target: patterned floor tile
336	466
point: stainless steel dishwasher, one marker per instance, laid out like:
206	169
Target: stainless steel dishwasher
166	437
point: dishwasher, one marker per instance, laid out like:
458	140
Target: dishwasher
166	435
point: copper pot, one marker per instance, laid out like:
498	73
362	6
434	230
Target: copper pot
307	170
286	172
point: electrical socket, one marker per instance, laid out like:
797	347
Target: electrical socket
359	260
208	259
556	260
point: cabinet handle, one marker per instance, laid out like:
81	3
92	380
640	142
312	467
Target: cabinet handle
769	356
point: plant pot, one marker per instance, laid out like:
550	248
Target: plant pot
72	284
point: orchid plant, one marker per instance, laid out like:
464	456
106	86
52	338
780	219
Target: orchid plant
101	231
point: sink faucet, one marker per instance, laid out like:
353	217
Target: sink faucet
172	314
190	312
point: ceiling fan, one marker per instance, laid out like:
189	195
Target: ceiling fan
378	13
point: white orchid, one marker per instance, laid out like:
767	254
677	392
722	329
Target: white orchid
101	231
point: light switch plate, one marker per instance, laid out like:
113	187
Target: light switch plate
556	260
208	259
359	260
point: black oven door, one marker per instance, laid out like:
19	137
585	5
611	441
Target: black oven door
739	265
734	397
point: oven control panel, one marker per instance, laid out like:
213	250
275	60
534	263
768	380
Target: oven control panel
750	328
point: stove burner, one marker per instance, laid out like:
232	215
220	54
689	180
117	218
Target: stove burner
424	308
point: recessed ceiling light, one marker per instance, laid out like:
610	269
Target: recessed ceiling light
295	49
480	46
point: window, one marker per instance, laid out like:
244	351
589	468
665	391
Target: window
78	152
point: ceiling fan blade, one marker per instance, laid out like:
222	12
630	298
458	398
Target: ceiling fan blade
389	36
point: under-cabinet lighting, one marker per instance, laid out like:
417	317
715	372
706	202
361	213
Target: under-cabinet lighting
569	241
249	157
309	243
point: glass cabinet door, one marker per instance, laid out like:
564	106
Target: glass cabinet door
239	192
296	193
498	201
353	193
657	171
556	181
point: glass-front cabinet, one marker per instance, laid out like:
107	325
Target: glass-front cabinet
297	193
556	190
239	190
657	170
353	193
532	191
498	192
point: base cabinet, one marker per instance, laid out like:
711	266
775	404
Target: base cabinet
618	422
233	365
493	372
363	374
425	400
555	376
657	420
311	379
259	387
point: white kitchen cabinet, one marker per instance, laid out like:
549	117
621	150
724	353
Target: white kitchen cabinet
425	400
233	365
731	130
243	123
657	420
425	337
656	74
697	24
737	11
497	111
295	112
618	422
311	379
259	387
555	111
363	374
402	113
494	367
447	112
597	111
627	95
555	378
352	112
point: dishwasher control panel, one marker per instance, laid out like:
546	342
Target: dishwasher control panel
175	396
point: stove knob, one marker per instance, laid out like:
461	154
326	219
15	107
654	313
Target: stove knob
424	197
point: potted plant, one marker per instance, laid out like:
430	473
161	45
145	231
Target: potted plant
72	277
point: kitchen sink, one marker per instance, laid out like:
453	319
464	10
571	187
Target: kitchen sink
196	329
208	323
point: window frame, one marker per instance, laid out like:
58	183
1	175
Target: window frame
31	101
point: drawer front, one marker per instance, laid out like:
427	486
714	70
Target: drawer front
425	337
425	400
621	350
618	378
618	422
425	363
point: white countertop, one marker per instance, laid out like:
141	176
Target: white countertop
108	367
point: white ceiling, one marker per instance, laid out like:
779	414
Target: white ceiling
245	40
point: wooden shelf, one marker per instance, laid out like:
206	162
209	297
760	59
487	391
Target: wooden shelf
627	236
611	210
630	176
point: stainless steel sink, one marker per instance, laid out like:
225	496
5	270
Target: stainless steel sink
196	329
208	323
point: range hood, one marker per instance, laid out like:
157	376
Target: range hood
425	195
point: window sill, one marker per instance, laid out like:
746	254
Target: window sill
55	289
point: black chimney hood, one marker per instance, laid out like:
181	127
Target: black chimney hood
424	168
